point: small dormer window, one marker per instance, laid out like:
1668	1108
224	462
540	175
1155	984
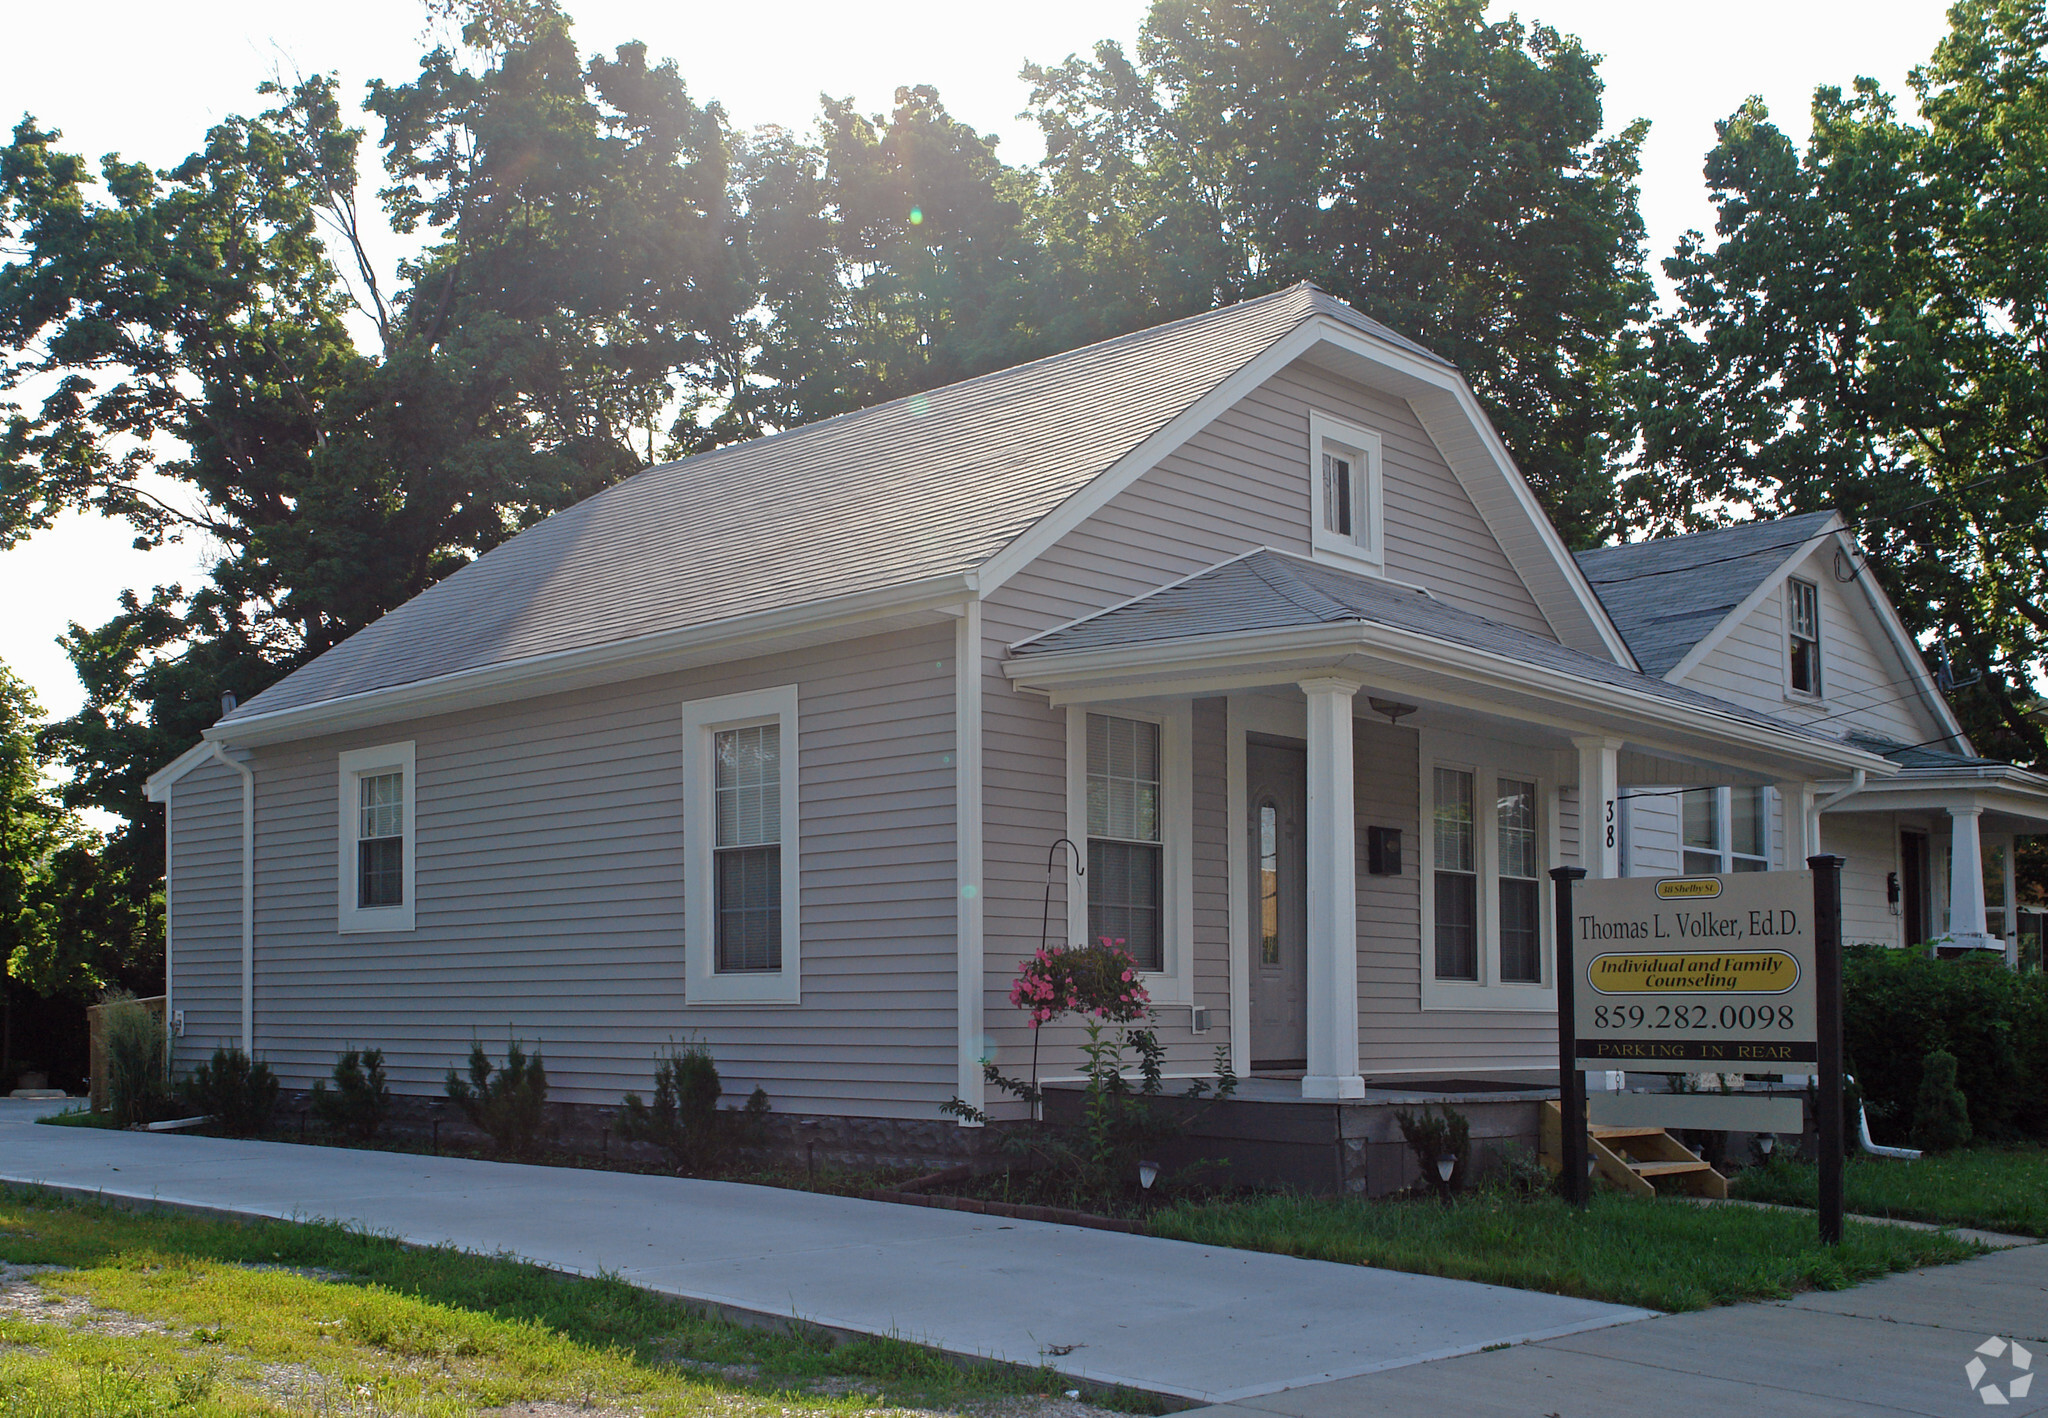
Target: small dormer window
1803	631
1344	482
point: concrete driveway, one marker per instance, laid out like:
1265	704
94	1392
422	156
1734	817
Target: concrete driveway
1198	1322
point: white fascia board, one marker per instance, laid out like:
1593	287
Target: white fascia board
1411	373
1211	654
157	787
746	636
1041	536
2005	795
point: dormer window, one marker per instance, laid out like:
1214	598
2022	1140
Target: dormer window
1803	633
1344	482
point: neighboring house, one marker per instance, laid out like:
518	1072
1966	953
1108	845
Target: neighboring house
775	748
1787	618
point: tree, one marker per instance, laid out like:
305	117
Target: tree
1866	333
1438	171
193	327
892	256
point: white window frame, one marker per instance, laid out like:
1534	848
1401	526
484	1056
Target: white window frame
1488	763
1820	658
1365	548
1175	983
355	765
702	719
1724	833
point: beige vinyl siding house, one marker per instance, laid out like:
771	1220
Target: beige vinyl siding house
793	749
1787	618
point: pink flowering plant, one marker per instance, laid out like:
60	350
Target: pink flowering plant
1097	1158
1097	980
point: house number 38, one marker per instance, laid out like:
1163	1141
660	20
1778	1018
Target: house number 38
1610	822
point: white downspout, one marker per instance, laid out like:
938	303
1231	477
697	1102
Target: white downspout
1856	781
248	897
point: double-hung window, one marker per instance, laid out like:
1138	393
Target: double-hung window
1725	830
1344	493
1486	834
375	847
747	770
1802	617
1126	852
1130	793
742	931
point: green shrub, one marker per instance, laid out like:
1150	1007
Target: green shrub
683	1120
511	1103
1901	1005
234	1091
138	1063
1941	1116
1432	1135
359	1101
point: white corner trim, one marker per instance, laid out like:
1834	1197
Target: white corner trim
704	983
1175	984
352	766
1367	553
969	851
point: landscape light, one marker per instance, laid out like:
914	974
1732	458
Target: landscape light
1148	1173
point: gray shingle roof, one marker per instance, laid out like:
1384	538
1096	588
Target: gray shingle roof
1667	595
1269	590
1920	755
919	487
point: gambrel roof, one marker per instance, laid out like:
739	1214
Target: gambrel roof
916	488
1669	594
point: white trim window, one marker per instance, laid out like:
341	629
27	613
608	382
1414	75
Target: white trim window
742	941
1130	792
1347	505
1724	830
374	849
1489	833
1802	637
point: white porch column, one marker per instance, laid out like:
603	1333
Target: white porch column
1802	837
1599	805
1966	877
1332	896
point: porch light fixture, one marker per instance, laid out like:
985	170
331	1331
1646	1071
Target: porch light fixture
1148	1173
1394	709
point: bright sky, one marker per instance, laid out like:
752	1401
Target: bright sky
147	80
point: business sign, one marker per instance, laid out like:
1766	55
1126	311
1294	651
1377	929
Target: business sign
1674	973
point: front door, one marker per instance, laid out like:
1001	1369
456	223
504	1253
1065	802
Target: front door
1913	885
1276	784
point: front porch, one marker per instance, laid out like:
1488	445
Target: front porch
1397	778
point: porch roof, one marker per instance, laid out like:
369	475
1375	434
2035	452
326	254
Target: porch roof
1273	597
1930	777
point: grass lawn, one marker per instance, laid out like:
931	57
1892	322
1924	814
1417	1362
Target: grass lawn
1663	1254
1995	1189
163	1313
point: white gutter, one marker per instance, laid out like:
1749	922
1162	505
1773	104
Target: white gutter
1413	650
594	664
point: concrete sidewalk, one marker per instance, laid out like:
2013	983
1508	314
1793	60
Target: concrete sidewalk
1895	1346
1198	1322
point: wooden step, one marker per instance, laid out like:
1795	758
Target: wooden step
1604	1132
1667	1169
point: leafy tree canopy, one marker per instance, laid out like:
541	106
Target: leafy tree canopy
1866	332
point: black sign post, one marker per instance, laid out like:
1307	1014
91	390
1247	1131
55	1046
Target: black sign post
1827	980
1571	1084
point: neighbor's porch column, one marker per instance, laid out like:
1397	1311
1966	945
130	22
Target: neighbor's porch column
1966	877
1332	896
2009	922
1599	805
1802	823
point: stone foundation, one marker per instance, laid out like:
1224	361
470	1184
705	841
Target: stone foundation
590	1130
